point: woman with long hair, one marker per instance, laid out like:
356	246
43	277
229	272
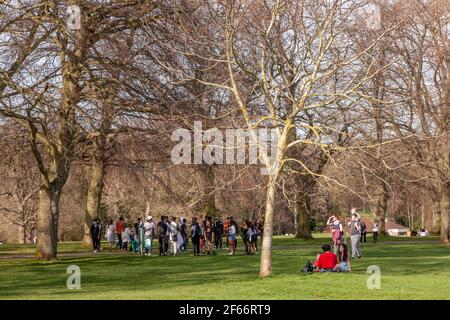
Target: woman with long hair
337	230
344	259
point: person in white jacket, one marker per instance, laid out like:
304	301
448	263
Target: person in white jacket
173	236
125	238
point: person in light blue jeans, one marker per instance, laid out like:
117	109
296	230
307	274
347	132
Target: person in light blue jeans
355	231
344	259
149	227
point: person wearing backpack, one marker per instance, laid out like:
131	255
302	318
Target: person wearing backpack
363	232
161	229
196	232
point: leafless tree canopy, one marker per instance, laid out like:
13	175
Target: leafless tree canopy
359	103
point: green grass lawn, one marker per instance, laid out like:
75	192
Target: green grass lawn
408	271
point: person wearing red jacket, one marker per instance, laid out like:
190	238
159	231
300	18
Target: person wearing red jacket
327	261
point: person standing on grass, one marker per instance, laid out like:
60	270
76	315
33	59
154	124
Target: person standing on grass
196	232
119	228
237	232
375	231
232	229
125	237
225	231
251	233
167	222
257	234
218	232
135	238
208	233
149	227
355	232
110	234
141	236
180	237
161	229
327	261
336	229
363	232
244	229
344	259
202	236
95	235
174	236
184	235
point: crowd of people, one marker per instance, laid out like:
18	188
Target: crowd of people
174	235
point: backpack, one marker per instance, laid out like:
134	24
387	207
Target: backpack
198	231
162	228
183	229
309	267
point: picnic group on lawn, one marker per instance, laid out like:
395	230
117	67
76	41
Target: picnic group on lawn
173	235
206	238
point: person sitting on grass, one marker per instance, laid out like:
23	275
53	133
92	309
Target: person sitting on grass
327	261
344	259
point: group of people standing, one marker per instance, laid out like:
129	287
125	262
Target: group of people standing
173	235
358	232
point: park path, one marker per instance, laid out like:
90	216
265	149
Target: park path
76	254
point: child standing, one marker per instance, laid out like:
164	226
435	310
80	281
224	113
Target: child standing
232	235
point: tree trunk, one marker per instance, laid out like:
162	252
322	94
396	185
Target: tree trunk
94	198
382	208
436	227
24	234
266	250
47	227
445	211
295	219
210	197
303	209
